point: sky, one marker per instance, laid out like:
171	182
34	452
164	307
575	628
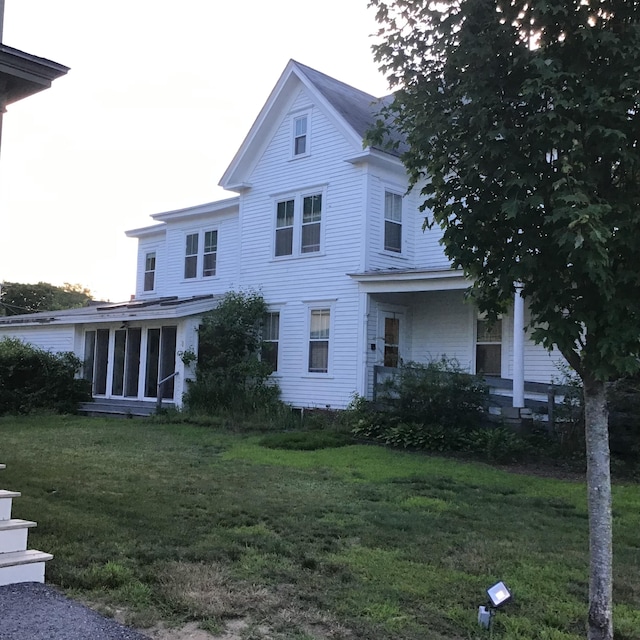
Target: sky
158	99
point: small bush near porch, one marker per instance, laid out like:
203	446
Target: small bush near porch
32	379
186	523
231	374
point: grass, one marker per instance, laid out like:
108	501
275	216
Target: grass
180	522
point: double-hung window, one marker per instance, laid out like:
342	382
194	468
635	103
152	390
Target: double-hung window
191	256
311	217
392	222
319	328
271	339
488	347
149	271
210	254
298	225
284	227
301	135
201	254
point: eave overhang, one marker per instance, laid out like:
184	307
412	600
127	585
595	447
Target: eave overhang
23	74
161	309
376	157
228	205
411	280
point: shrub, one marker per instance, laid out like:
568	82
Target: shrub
496	444
426	407
230	375
439	392
32	379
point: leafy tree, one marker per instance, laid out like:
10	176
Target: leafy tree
16	298
230	374
522	122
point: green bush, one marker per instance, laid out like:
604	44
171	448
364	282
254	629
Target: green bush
439	392
496	444
33	379
428	407
230	375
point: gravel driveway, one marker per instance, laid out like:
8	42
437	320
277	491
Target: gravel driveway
35	611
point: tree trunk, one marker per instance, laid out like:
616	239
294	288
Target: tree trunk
600	624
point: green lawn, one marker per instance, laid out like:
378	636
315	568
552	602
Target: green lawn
183	523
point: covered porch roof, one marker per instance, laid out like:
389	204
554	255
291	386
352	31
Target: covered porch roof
167	308
411	280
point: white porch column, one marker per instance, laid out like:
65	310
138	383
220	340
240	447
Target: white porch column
518	347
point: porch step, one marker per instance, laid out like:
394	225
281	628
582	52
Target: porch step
6	499
121	408
17	563
13	535
22	566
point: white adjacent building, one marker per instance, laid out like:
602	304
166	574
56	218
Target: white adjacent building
323	227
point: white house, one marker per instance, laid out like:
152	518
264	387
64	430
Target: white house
323	227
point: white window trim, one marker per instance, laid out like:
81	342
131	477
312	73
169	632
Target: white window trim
200	231
317	306
145	252
504	358
294	117
272	309
298	203
398	192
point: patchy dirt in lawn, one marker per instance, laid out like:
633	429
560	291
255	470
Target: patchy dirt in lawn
191	631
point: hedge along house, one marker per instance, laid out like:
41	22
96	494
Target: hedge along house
324	228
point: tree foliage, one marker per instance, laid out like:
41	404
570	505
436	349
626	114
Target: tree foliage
525	118
230	373
17	298
522	123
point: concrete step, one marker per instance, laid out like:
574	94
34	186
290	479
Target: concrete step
22	566
6	499
13	534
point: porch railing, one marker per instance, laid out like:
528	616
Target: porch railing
161	384
542	397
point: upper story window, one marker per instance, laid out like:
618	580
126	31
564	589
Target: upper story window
298	225
392	222
191	256
149	271
201	254
210	253
301	135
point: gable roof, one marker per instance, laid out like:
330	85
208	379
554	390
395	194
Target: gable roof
354	112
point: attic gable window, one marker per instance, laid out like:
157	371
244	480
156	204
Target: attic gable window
301	135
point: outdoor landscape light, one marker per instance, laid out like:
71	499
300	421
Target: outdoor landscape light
499	594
